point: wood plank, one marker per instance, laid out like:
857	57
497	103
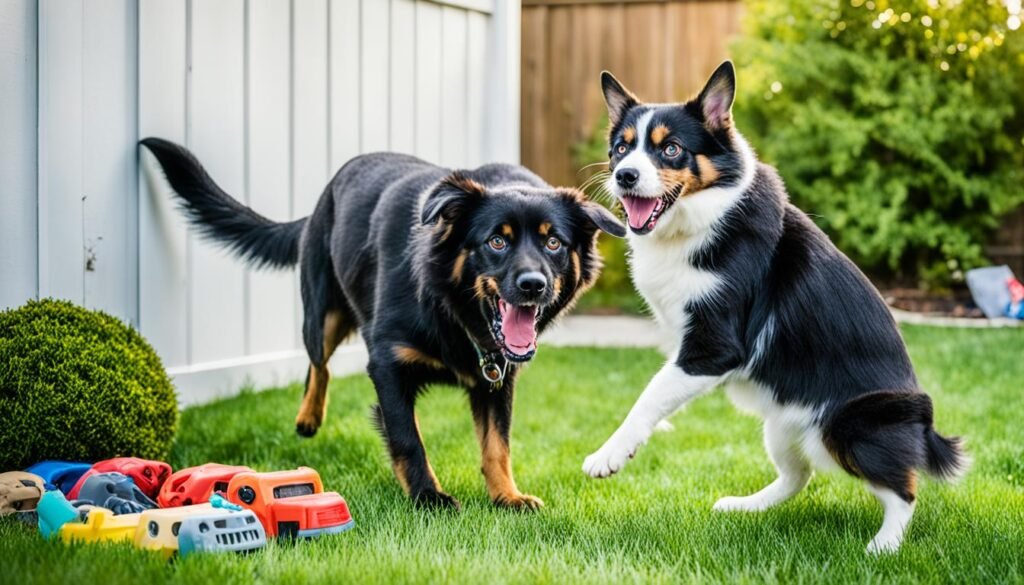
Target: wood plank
454	150
428	81
344	75
163	268
216	123
61	250
374	79
18	148
109	180
560	167
272	295
402	88
534	91
476	87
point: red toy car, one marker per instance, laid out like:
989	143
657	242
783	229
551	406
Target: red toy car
147	475
291	503
195	485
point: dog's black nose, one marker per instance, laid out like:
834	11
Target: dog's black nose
531	282
627	177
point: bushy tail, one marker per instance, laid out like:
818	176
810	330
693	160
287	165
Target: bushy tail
946	457
221	218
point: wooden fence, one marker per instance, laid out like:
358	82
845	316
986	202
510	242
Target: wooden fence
662	50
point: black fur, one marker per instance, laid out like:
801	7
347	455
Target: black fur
380	254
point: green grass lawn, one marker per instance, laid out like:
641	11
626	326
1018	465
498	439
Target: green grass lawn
652	522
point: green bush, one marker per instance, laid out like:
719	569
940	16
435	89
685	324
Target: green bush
899	126
79	385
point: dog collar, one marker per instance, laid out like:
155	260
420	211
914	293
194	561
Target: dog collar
489	368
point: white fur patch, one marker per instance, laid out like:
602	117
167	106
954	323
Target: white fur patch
649	183
800	424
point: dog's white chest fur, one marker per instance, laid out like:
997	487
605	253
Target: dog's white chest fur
663	273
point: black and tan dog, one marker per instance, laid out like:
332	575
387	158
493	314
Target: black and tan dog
448	276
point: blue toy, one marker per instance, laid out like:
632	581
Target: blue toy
219	501
235	532
54	511
59	475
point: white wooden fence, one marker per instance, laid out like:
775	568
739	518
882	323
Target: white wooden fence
273	96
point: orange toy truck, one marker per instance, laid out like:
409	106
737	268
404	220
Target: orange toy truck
195	485
291	503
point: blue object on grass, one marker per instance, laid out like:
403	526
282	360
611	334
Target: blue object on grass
988	287
54	511
60	475
219	501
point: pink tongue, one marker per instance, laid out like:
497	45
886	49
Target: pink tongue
639	210
517	325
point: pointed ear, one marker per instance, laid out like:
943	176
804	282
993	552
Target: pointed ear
717	96
452	196
618	98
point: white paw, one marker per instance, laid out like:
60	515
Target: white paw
880	545
608	460
738	504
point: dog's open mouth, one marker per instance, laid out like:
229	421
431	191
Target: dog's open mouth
643	213
514	328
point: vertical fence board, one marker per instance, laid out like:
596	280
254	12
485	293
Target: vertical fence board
310	161
374	76
216	124
476	87
109	186
344	98
428	81
272	295
61	254
453	86
18	196
402	87
163	268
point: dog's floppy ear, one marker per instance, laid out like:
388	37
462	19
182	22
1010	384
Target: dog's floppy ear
618	98
596	214
451	197
717	96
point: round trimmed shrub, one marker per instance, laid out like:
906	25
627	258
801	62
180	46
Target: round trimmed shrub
79	385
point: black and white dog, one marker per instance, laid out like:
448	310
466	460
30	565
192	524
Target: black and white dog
763	303
448	275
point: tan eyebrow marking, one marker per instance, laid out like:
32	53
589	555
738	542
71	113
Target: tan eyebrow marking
659	133
506	230
544	228
629	135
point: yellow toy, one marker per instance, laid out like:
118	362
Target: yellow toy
157	529
102	525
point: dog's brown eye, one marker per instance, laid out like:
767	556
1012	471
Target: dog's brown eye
672	150
621	149
497	243
554	243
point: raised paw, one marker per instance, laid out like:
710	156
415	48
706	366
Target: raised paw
436	500
607	461
519	501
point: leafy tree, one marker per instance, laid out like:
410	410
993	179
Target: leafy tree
899	126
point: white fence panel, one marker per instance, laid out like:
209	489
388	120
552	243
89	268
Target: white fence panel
273	96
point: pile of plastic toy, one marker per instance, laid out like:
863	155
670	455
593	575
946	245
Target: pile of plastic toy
210	508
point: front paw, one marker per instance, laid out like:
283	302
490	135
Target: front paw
434	499
519	501
608	460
